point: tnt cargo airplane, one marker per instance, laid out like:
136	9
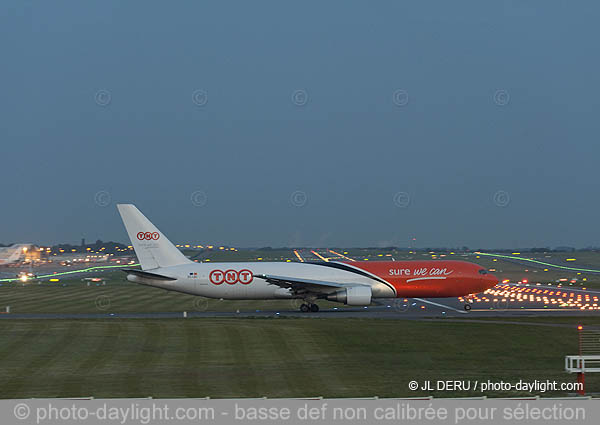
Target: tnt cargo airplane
356	283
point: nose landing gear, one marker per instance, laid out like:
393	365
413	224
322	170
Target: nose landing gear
468	302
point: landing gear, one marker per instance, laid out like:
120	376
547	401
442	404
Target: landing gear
468	302
305	308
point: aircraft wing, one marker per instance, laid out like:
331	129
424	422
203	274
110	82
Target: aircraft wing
304	285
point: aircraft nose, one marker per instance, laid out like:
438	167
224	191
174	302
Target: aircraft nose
486	280
491	280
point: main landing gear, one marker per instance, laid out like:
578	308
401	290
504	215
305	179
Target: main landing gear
305	308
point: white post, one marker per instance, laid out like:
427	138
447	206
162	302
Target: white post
185	314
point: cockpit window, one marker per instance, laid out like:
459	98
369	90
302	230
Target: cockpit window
483	271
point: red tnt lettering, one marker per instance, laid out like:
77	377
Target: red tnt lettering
216	277
245	276
231	277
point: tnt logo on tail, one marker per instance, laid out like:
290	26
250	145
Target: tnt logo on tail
148	236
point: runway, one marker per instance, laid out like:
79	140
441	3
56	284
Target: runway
399	309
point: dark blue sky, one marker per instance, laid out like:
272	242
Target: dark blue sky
485	114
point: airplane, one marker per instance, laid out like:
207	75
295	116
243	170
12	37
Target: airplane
13	254
352	283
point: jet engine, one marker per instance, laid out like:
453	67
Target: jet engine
353	295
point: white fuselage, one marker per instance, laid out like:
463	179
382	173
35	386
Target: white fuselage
217	280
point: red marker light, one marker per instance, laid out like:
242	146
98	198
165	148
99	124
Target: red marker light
579	327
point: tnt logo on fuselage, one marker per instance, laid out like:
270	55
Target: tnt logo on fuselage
231	276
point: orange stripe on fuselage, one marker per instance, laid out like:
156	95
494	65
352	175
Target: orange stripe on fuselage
430	279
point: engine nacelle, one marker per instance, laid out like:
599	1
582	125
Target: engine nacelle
353	295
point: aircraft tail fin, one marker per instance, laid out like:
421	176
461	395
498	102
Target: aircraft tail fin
152	248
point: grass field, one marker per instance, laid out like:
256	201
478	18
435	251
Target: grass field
269	357
119	296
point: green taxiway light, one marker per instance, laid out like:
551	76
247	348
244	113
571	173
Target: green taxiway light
539	262
89	269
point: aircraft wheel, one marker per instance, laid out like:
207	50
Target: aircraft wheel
304	308
467	307
314	308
